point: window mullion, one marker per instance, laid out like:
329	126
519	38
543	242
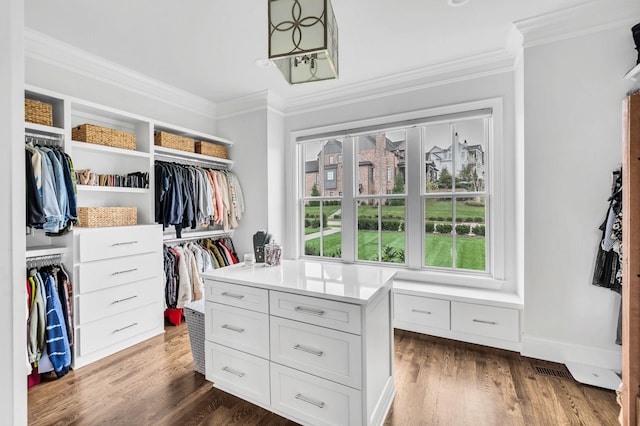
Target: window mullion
348	205
414	179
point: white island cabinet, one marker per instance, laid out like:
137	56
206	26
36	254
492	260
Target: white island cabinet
310	341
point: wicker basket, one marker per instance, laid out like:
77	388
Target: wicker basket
102	136
211	149
169	140
93	217
38	112
194	314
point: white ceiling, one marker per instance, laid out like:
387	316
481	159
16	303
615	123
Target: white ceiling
209	47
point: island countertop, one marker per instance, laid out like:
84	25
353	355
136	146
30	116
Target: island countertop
359	284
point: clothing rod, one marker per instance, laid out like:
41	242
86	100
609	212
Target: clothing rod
196	237
41	136
44	260
207	164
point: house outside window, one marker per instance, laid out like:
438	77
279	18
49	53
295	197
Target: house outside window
448	205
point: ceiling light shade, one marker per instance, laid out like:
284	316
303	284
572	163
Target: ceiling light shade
303	39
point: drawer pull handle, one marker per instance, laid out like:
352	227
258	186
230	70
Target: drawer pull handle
235	296
124	328
125	271
123	300
308	350
311	311
232	328
124	243
484	322
301	397
421	312
232	371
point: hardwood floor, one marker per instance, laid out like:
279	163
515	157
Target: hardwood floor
438	381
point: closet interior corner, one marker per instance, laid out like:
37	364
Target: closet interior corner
94	211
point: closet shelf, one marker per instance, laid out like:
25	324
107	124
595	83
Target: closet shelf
162	153
191	133
97	188
44	251
39	128
633	74
90	147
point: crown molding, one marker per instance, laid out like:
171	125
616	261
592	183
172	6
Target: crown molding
259	101
586	18
480	65
42	47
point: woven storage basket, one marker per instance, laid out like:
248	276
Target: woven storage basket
194	314
211	149
93	217
102	136
169	140
38	112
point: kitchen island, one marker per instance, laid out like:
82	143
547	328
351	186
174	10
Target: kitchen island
311	341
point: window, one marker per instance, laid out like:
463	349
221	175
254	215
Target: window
432	210
331	159
321	210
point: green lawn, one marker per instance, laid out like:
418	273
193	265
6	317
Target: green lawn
315	210
434	208
470	250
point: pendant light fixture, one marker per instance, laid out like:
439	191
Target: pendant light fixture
303	39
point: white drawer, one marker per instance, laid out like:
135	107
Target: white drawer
103	274
118	241
483	320
256	299
112	301
325	313
237	328
312	400
327	353
422	311
108	331
243	375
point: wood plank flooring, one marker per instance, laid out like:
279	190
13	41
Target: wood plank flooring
438	381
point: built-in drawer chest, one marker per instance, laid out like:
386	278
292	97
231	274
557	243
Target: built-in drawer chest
119	296
485	317
312	342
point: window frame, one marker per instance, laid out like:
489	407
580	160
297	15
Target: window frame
495	215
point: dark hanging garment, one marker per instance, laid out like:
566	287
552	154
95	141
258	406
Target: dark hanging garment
35	214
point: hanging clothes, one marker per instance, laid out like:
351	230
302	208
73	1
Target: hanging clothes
608	268
49	321
183	265
191	197
50	190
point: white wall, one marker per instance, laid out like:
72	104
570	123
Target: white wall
499	85
573	128
13	375
250	154
52	65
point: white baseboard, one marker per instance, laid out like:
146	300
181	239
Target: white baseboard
563	352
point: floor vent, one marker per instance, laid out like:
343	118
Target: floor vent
551	372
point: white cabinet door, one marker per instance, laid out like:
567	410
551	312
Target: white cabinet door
242	374
241	296
237	328
118	241
313	400
101	274
325	313
483	320
326	353
422	311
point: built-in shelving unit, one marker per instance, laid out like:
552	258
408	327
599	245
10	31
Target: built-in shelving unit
97	257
